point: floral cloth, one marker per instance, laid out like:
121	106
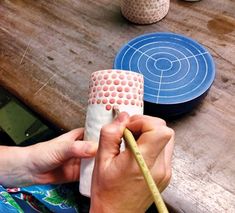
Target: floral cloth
39	198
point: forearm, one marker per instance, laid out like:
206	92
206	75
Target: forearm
13	166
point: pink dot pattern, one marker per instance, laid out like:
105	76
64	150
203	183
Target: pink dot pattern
144	11
116	87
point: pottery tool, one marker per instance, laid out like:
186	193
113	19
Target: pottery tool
130	140
178	71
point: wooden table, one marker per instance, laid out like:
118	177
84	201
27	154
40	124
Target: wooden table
48	49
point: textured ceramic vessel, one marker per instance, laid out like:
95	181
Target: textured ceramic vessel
144	11
108	88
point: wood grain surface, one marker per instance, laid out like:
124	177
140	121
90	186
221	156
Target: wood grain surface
49	48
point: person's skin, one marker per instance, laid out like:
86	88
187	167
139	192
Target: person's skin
117	183
54	161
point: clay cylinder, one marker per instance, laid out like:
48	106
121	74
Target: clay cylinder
144	11
108	88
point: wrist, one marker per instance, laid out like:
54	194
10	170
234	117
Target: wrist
13	166
108	205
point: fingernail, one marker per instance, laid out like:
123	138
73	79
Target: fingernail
123	116
91	148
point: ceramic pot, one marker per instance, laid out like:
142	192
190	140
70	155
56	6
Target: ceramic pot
108	88
144	11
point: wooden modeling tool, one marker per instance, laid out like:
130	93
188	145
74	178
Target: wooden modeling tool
130	140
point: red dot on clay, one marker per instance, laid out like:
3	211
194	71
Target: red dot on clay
106	94
106	76
132	102
135	78
100	94
99	77
129	77
120	95
119	89
105	88
116	82
123	83
112	88
126	102
127	89
108	82
93	101
119	101
98	88
114	94
112	101
104	101
128	96
130	83
108	107
102	82
121	76
114	75
98	101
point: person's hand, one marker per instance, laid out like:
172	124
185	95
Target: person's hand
54	161
117	183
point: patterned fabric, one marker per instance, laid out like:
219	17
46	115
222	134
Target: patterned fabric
39	198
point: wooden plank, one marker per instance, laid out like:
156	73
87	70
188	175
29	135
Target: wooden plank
48	49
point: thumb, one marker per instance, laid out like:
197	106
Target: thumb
110	137
55	153
83	149
65	150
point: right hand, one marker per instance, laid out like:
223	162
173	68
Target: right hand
117	183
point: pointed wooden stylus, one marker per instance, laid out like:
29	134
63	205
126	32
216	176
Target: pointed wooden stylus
130	140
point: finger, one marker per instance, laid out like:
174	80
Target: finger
158	170
166	161
55	153
110	136
151	143
169	151
83	149
65	150
156	120
140	124
76	134
68	172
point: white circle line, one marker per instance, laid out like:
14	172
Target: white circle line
180	59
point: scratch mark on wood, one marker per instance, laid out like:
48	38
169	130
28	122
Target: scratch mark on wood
26	50
4	30
44	84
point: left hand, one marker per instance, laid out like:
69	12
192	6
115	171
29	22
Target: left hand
54	161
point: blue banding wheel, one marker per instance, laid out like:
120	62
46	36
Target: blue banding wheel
178	71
